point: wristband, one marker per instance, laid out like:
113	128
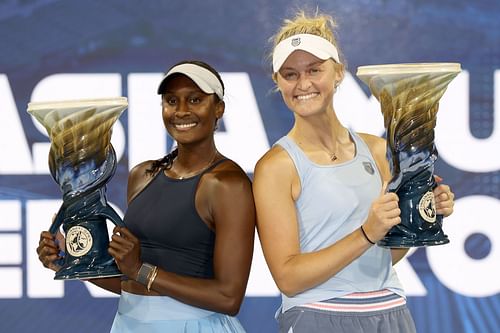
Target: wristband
364	234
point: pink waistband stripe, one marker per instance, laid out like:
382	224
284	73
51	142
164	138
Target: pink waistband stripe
360	302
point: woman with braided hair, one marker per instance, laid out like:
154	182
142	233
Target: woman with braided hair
187	247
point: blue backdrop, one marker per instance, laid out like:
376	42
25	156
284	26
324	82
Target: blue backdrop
66	49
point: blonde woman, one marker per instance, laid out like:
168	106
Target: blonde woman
320	199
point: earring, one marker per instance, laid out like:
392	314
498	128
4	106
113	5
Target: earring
336	85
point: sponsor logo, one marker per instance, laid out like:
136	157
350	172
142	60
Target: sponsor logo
369	168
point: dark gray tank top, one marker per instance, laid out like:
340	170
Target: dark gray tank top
173	236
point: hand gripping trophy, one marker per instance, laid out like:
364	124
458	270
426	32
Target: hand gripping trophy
82	160
409	96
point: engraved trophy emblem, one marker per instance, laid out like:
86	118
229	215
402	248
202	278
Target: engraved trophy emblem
409	96
81	161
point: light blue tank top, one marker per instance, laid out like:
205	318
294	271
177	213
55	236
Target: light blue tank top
334	201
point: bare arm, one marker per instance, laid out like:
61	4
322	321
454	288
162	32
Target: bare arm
276	187
112	284
227	197
233	214
398	254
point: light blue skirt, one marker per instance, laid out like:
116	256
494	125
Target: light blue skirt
149	314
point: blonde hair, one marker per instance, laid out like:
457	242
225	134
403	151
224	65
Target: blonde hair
318	24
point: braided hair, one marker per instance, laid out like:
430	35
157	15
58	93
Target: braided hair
164	163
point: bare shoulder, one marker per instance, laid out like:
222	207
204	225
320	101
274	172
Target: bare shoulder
276	176
140	169
274	163
227	176
138	178
376	144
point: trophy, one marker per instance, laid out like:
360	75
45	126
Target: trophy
81	161
409	96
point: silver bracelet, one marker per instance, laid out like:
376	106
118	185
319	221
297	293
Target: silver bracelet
144	273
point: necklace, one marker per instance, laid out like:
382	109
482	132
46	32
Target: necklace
199	170
332	155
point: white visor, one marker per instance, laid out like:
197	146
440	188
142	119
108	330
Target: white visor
316	45
204	79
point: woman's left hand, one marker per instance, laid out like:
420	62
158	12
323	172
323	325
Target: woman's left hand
444	198
126	249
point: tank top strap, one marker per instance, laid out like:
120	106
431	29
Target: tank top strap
361	146
299	159
303	164
298	156
210	168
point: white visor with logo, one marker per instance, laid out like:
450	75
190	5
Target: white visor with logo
316	45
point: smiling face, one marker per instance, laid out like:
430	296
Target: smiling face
307	83
189	114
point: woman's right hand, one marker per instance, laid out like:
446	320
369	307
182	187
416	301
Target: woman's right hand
384	214
50	249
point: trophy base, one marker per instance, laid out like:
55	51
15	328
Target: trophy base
401	237
407	243
87	239
420	224
70	273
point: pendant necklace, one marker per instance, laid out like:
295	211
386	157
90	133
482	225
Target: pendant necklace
199	170
333	157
